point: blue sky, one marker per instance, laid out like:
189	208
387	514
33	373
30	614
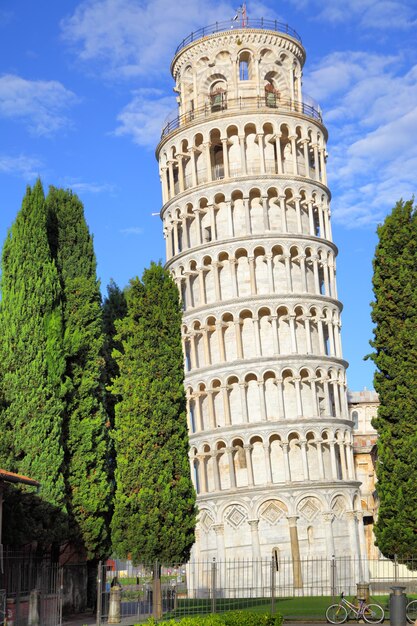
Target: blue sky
85	88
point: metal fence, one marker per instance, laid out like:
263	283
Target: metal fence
200	587
30	586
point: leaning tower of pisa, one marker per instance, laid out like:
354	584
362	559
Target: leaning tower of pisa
248	239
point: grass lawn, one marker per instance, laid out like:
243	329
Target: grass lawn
301	608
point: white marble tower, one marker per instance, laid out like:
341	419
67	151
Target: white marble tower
248	239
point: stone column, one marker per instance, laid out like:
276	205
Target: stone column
202	472
281	406
206	345
180	172
354	544
303	446
298	213
219	530
226	405
288	271
294	154
306	158
260	137
244	402
225	159
243	154
165	192
231	464
252	275
311	218
220	339
270	271
257	336
212	414
171	179
278	151
283	213
217	484
207	157
248	223
256	548
293	334
238	335
287	469
350	463
295	552
262	399
217	291
328	517
249	466
297	382
333	459
274	326
268	469
308	334
320	458
230	219
197	406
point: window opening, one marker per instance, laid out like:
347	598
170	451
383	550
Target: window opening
243	70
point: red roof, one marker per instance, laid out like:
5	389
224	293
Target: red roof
11	477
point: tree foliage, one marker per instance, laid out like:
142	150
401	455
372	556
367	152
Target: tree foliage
394	313
154	514
85	425
31	354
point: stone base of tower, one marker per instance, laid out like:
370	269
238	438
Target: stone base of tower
312	538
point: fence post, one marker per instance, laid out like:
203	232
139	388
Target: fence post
213	586
333	575
157	592
273	566
99	592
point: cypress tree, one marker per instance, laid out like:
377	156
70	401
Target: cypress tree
85	426
394	313
154	514
31	354
114	308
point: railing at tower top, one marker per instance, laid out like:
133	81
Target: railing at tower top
239	104
227	25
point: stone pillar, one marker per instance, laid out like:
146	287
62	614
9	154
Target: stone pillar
238	335
114	604
243	154
256	547
34	605
287	469
295	552
217	484
180	172
268	469
320	458
262	399
306	158
249	467
233	276
225	159
226	405
244	402
303	445
230	219
248	223
260	137
328	517
278	151
231	464
252	275
333	459
202	472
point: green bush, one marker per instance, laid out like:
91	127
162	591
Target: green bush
231	618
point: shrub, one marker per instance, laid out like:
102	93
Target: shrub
231	618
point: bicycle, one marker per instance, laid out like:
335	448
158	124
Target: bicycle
411	611
340	613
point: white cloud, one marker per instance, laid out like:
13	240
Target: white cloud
371	112
369	14
25	166
39	104
127	38
144	116
132	230
85	187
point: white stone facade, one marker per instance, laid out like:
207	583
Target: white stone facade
248	239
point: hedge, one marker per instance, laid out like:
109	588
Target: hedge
231	618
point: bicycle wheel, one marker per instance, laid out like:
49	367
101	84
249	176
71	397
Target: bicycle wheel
373	613
411	611
336	614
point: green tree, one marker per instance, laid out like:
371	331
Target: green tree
394	313
85	426
154	516
114	308
31	355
